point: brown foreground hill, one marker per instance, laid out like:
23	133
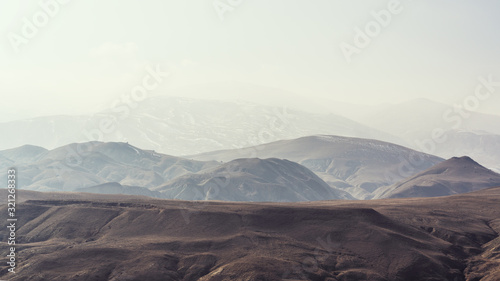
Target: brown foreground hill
75	236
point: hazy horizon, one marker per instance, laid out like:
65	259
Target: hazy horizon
88	54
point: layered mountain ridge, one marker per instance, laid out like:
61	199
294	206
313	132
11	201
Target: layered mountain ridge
454	176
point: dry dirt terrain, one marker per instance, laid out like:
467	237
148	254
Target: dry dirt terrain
77	236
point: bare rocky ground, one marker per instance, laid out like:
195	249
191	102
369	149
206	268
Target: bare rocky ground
78	236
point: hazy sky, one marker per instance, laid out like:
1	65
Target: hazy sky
88	53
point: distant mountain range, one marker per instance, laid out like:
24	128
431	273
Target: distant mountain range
358	166
418	118
483	147
83	165
438	129
119	168
453	176
181	126
305	169
253	180
187	126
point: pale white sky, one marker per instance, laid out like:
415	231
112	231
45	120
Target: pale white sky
90	52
